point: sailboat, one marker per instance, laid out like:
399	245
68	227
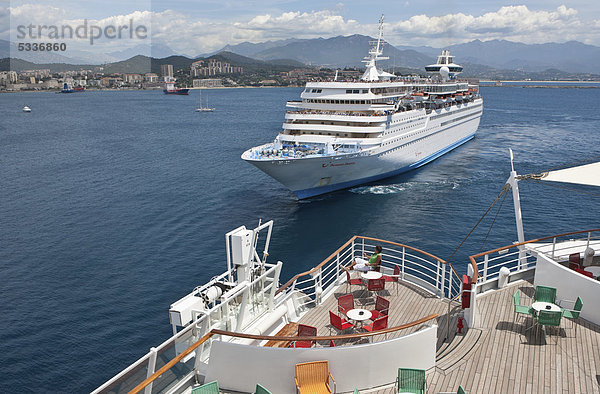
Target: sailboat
201	108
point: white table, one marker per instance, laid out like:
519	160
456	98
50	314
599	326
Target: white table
540	305
359	315
594	269
371	275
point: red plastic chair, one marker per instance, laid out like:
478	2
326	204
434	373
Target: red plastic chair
345	303
584	272
331	343
575	258
394	278
305	331
379	324
376	285
574	266
338	322
350	281
382	307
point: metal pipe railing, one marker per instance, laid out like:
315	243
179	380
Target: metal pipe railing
481	269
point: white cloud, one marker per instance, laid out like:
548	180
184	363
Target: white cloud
301	24
188	35
516	23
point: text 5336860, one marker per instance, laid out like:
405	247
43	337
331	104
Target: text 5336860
42	46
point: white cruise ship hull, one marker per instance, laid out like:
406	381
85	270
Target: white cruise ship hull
312	176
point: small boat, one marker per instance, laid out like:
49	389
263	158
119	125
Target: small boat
201	108
26	109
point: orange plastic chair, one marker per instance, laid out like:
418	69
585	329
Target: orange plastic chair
313	378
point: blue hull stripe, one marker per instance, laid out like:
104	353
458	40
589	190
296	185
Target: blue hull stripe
315	191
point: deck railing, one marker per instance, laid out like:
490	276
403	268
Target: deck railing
147	383
486	265
414	265
225	316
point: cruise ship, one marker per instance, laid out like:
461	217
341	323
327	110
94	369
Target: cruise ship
246	332
345	133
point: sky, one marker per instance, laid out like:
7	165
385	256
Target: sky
202	26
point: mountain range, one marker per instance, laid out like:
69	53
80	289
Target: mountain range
570	57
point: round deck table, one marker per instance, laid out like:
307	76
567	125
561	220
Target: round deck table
546	306
359	315
594	269
371	275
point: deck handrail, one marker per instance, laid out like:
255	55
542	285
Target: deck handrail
315	269
171	363
349	242
206	337
475	256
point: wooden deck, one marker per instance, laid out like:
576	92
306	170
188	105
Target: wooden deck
503	357
407	304
499	357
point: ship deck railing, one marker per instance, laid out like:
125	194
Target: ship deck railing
416	266
543	261
225	315
345	113
522	256
424	297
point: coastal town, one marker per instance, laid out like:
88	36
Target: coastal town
206	73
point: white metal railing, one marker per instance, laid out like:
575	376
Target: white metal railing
226	315
413	265
522	256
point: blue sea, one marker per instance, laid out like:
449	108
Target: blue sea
114	204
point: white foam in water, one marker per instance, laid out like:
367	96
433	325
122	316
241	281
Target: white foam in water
400	187
380	189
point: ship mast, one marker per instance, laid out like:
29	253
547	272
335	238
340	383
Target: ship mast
371	73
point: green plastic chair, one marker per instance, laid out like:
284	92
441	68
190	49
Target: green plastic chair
545	294
208	388
549	318
573	314
261	390
411	381
356	391
521	309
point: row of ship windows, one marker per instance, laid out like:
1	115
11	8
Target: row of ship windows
454	112
356	91
319	101
422	138
407	136
410	143
401	146
411	119
354	135
460	118
395	130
